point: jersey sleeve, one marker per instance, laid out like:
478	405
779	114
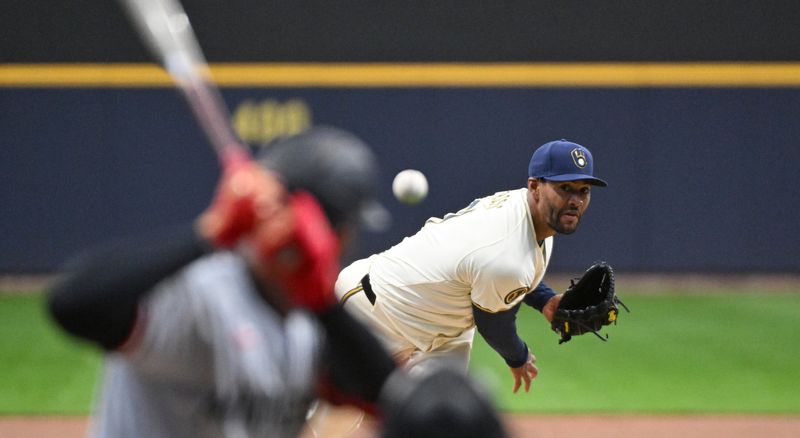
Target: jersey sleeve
496	289
539	296
99	291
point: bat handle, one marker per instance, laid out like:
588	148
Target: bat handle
233	155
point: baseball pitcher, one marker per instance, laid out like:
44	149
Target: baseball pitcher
472	269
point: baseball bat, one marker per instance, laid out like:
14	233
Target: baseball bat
166	30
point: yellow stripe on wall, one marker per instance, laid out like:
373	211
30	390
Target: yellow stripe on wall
366	75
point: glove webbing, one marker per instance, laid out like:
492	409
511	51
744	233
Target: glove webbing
585	327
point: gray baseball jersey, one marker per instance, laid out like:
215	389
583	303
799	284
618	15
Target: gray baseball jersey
211	359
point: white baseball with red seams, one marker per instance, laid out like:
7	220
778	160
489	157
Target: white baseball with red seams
410	186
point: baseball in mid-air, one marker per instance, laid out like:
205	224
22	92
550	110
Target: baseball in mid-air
410	186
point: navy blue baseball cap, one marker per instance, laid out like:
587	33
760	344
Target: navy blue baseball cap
563	160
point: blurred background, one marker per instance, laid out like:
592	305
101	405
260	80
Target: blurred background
689	107
701	162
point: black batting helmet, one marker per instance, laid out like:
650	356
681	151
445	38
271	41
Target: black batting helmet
443	404
337	167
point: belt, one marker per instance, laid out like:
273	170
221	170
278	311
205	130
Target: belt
368	289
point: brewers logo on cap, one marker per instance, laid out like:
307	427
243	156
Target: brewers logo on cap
579	157
563	160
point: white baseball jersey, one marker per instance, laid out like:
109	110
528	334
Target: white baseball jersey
486	254
214	360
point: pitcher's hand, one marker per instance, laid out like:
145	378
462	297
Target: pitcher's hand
525	374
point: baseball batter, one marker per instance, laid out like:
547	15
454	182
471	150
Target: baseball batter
205	335
472	269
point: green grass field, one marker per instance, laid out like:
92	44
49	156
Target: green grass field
43	371
676	353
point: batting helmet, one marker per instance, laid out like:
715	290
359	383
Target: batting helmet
443	404
334	165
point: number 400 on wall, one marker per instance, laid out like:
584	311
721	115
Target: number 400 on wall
260	122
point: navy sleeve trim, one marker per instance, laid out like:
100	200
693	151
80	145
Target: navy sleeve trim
500	332
539	296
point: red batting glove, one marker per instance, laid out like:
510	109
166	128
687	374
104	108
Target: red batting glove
300	252
245	195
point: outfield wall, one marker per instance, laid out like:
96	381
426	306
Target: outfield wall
701	158
701	179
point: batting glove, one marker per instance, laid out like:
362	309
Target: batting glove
245	195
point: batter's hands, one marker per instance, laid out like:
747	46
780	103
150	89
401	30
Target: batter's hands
525	374
290	241
246	194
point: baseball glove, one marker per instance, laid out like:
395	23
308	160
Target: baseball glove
588	304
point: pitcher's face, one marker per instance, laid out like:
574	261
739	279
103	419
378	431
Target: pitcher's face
561	204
